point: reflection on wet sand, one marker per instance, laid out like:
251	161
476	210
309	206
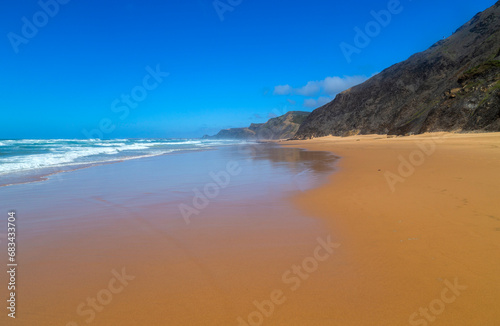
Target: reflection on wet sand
293	158
80	227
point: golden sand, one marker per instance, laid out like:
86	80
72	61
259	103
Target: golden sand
415	222
421	238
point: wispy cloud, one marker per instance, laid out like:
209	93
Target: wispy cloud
330	86
314	103
321	91
335	85
282	90
312	88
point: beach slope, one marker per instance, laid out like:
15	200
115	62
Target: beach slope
419	222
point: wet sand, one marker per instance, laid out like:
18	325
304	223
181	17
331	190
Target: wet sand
258	254
439	223
108	245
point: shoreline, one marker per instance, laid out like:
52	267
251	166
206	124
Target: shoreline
438	224
392	253
80	231
44	176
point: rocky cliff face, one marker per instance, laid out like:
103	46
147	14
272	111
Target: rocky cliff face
283	127
452	86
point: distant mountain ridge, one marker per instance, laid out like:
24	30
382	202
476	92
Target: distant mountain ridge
282	127
452	86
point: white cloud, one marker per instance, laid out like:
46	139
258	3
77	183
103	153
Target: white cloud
335	85
329	86
282	90
312	88
323	90
315	103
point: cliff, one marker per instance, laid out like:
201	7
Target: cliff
283	127
452	86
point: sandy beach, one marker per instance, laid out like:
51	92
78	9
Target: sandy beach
437	222
250	163
108	245
286	243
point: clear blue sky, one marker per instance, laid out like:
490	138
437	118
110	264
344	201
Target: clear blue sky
263	59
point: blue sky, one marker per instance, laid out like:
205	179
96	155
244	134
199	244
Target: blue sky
157	68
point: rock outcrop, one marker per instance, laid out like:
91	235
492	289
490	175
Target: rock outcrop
452	86
283	127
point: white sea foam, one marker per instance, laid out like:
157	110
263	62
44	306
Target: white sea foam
31	154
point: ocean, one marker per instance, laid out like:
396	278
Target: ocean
178	223
28	160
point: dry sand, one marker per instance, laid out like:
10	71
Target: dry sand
401	248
